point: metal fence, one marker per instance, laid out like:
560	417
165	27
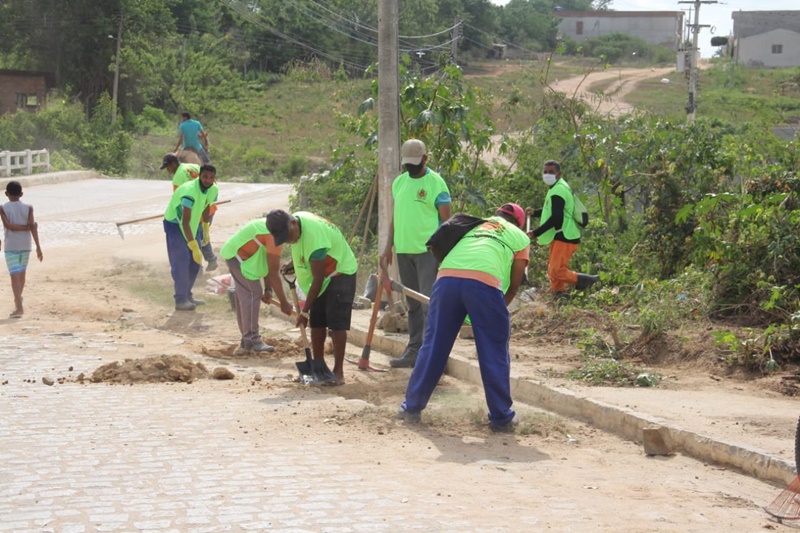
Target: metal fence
25	160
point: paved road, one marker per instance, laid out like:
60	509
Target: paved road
70	213
272	456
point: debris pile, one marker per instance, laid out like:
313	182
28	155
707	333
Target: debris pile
157	369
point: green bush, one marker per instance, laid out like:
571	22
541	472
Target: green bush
618	47
64	127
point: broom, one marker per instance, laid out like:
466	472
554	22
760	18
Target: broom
786	507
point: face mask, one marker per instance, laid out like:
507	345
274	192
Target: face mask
549	179
413	170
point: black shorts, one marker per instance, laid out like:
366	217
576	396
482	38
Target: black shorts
334	307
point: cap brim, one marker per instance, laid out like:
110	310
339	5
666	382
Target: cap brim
281	237
411	160
163	166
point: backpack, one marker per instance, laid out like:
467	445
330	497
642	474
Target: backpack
578	210
450	232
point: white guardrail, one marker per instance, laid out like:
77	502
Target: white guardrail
25	160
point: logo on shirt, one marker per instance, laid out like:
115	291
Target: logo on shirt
422	195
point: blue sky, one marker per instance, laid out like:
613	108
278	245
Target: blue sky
717	15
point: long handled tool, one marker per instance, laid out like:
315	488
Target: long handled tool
151	217
304	367
414	295
528	215
786	506
363	363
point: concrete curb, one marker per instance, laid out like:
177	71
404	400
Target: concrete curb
622	422
47	178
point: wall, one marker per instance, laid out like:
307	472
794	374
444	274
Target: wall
663	30
756	51
13	84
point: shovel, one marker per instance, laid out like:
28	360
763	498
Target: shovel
304	367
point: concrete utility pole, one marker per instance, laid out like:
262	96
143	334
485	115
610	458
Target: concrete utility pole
115	91
388	113
691	105
454	36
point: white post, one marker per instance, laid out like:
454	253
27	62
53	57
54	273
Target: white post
28	163
47	160
5	163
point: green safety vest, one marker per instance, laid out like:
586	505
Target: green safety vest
569	228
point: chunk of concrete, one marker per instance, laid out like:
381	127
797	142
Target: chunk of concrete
393	323
657	441
359	302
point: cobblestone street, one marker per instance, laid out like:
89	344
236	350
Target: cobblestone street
242	455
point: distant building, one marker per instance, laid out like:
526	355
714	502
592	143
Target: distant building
655	27
766	38
23	89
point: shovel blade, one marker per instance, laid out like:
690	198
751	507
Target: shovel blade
304	367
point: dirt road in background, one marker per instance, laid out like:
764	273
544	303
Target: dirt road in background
612	101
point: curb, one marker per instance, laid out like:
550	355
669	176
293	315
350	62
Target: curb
622	422
47	178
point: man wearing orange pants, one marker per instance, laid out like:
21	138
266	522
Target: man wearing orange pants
559	229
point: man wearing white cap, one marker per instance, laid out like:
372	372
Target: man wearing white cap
421	204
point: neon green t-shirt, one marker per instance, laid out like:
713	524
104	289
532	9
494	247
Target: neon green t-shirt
416	210
317	233
568	227
254	242
185	172
488	248
189	195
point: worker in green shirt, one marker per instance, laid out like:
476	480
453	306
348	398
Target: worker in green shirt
326	272
480	276
187	207
421	204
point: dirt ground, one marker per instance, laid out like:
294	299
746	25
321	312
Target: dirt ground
125	306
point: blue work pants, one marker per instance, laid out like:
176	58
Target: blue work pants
452	300
182	267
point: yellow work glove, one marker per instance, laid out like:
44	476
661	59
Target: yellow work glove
195	248
206	233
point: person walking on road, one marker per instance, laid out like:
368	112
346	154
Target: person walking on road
187	207
479	277
326	272
559	229
251	255
192	136
181	173
421	204
19	228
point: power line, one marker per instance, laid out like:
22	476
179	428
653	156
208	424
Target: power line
252	17
503	42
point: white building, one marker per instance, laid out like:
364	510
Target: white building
766	38
655	27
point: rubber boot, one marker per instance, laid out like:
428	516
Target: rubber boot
408	360
585	281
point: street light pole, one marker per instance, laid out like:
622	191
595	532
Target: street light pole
115	91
